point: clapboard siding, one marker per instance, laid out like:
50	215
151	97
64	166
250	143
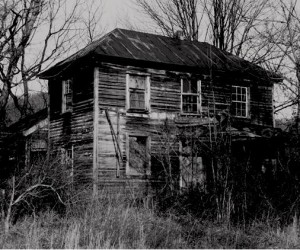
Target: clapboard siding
74	128
112	85
115	124
165	93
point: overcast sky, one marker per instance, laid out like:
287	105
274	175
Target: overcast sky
116	12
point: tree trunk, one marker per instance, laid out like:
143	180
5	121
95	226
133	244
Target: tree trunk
8	214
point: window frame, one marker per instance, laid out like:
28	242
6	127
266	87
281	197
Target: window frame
65	92
197	94
246	102
146	93
147	171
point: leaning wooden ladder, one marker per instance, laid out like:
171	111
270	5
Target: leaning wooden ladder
116	139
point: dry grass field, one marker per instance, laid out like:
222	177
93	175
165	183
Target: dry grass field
115	223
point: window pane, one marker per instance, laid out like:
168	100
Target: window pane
137	99
189	103
244	97
243	109
137	82
243	91
189	86
194	86
186	86
238	109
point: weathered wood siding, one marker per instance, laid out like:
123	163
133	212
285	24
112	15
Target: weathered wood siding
115	123
165	101
74	128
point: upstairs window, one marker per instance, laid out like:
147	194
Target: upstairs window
138	92
67	96
240	101
190	96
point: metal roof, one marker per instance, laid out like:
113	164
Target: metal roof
162	50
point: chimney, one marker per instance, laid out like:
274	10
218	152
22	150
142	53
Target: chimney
179	35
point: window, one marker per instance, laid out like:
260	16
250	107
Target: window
138	156
138	92
67	98
240	101
190	96
191	165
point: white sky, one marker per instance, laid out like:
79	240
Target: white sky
116	11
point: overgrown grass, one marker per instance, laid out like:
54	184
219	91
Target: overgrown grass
116	223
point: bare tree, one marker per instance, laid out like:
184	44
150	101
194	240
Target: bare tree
92	26
284	35
21	23
40	180
36	33
173	15
231	25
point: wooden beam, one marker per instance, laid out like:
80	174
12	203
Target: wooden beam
96	131
115	141
118	142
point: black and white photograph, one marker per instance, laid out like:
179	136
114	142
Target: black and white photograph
149	124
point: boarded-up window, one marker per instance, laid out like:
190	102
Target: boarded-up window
138	90
192	172
67	98
240	101
138	156
190	95
191	169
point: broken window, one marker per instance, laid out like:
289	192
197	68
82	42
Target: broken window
190	95
191	169
67	92
138	92
240	101
138	162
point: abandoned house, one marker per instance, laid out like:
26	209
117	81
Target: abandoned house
128	103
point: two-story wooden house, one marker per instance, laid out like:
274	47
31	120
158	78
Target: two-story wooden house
110	101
